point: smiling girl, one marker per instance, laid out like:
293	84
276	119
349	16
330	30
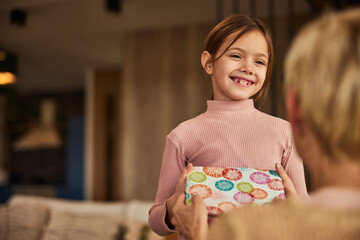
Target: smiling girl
231	133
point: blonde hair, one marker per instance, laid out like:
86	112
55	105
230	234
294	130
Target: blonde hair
323	68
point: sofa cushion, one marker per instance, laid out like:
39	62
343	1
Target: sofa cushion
4	222
82	226
22	221
76	206
138	210
69	219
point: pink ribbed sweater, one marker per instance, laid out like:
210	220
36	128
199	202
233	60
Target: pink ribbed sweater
228	134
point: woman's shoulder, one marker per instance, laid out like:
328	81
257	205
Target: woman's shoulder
275	219
297	209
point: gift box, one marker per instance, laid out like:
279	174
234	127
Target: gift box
224	189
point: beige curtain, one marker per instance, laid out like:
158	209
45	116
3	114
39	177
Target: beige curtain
163	85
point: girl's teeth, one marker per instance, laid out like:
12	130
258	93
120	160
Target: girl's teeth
242	82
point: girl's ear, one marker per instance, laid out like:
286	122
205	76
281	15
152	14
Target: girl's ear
206	62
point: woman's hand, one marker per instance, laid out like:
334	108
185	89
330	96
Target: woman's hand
191	220
289	188
180	189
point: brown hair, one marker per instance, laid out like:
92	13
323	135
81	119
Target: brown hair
243	24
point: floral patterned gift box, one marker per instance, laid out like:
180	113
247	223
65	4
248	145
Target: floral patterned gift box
224	189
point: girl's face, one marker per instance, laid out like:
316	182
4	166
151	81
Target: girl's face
240	72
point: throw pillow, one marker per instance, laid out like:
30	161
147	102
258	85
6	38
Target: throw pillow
81	226
26	221
4	222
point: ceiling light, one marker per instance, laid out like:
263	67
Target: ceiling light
7	78
7	68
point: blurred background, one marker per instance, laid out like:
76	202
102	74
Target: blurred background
89	89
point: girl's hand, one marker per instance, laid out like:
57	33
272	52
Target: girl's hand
180	189
289	188
191	220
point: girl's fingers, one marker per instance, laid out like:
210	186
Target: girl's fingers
189	167
282	172
288	185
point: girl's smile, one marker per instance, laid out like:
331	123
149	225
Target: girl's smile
242	81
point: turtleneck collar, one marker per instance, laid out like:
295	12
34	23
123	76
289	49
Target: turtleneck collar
215	106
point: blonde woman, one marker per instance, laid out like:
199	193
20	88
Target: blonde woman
322	72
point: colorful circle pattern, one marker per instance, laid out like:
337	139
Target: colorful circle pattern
245	187
281	196
187	195
201	190
232	174
212	210
260	177
218	195
224	185
215	172
275	184
197	177
244	198
226	206
259	193
274	173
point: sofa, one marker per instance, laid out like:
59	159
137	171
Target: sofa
26	217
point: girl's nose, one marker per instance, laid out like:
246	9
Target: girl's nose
247	67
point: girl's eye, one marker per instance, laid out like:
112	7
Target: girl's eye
235	56
261	62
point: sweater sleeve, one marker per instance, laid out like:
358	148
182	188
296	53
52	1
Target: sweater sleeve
293	165
172	164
